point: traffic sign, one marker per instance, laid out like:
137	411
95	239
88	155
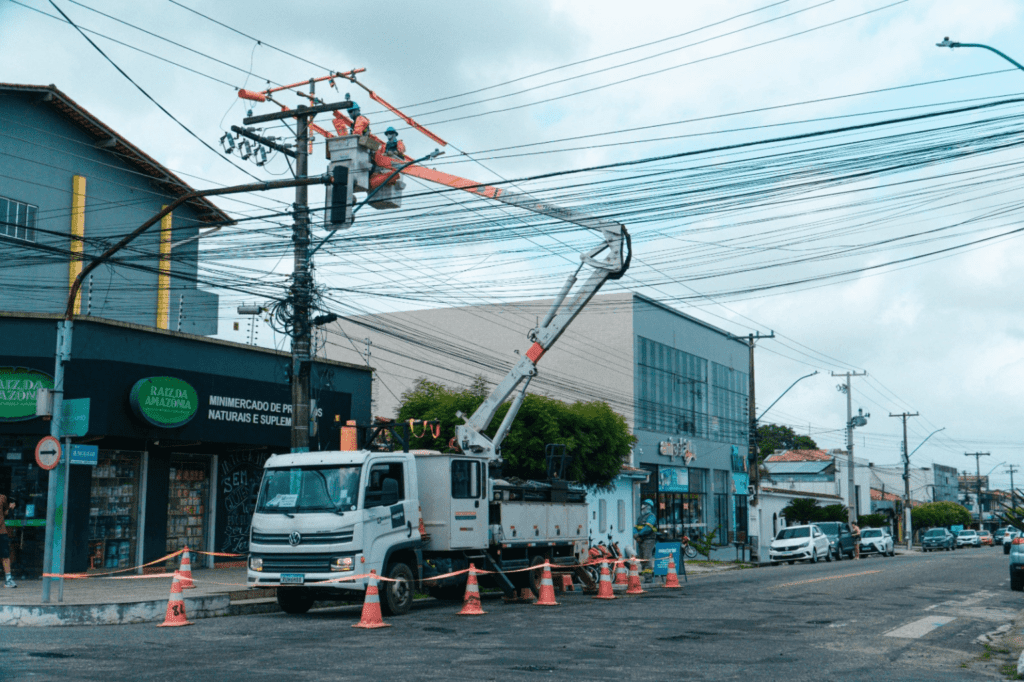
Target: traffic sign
74	419
85	454
48	452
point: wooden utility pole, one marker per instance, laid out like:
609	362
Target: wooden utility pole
907	527
977	462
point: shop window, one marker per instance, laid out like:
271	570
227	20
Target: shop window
113	510
188	495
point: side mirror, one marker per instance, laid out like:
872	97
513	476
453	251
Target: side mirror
389	492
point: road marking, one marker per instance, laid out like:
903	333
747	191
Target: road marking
920	628
933	606
829	577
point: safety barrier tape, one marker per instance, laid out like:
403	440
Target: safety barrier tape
109	575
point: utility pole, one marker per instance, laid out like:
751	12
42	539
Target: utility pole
301	290
977	462
852	503
907	527
755	469
1013	495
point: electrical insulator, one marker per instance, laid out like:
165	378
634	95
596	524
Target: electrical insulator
245	149
228	142
261	156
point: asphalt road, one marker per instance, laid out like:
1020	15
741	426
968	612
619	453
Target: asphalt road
914	617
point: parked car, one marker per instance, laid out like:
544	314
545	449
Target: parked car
968	538
839	537
985	538
997	537
1008	537
877	541
800	543
936	539
1017	565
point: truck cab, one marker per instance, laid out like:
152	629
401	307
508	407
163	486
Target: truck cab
323	516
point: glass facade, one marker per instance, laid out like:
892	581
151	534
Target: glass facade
721	523
680	393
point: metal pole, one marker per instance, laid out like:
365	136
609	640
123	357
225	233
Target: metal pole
907	517
977	461
66	466
852	509
301	294
755	474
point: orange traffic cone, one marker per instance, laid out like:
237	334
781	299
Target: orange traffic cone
672	578
371	607
634	579
471	607
620	572
604	588
547	588
185	572
175	606
567	583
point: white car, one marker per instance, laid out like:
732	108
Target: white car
968	538
800	543
877	541
1008	538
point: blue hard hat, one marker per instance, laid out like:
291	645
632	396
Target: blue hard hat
354	107
390	131
648	503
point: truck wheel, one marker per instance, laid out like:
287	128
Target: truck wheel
396	597
1016	582
295	600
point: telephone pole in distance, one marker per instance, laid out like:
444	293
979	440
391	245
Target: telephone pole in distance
1013	493
977	462
907	527
852	488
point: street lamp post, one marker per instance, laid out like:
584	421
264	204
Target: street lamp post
946	42
907	525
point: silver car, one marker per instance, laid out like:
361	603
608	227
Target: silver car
800	543
968	538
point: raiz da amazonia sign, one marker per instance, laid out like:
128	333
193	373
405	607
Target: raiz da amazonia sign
166	402
18	386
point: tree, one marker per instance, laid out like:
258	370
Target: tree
597	438
801	510
873	521
936	514
772	437
833	512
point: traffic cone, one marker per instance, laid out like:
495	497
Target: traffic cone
371	607
186	570
547	588
471	606
604	588
567	583
175	606
620	572
634	579
672	578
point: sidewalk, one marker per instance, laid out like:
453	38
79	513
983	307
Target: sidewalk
135	599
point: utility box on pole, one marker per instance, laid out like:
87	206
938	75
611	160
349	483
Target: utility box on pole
355	152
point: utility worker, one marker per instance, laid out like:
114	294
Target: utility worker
360	124
644	533
394	147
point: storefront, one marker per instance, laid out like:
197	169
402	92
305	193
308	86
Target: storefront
182	424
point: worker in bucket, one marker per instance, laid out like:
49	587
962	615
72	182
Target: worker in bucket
394	147
644	533
360	124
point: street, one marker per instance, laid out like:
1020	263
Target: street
913	617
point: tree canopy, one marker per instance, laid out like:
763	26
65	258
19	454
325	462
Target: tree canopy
772	437
596	437
803	510
936	514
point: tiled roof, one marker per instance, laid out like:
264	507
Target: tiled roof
878	496
801	493
800	456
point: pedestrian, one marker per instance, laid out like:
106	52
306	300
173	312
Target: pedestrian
645	535
855	531
6	505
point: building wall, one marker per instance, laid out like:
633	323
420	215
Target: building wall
612	514
41	152
591	361
839	486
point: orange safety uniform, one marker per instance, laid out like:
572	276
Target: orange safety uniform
361	126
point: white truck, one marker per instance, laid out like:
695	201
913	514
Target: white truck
322	515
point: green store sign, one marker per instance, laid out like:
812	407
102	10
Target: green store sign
18	386
164	401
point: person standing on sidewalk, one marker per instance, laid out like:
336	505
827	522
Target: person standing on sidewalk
645	535
5	541
855	531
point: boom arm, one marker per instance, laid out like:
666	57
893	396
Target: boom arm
470	436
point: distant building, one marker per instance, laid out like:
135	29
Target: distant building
823	472
69	187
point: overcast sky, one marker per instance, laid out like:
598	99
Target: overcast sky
942	338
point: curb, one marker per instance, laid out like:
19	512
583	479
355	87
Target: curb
1020	664
58	615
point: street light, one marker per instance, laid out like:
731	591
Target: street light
946	42
753	429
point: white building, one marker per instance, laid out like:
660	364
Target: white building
613	512
768	518
823	473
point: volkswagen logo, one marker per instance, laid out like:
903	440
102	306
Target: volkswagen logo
295	538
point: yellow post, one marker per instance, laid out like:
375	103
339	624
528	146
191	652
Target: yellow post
163	279
77	233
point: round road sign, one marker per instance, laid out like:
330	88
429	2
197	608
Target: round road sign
48	452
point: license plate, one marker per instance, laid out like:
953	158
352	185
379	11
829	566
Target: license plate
292	578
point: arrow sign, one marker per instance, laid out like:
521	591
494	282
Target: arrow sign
48	452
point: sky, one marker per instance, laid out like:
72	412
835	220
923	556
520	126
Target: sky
941	337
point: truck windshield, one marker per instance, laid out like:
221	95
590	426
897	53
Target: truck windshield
309	489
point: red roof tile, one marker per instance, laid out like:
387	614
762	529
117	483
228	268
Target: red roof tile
800	456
